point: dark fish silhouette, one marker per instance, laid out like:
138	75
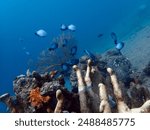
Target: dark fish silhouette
114	37
119	45
100	35
53	46
90	55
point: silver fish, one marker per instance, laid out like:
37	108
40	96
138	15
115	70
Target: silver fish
41	33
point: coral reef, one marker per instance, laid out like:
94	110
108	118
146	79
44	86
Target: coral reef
85	88
36	99
109	85
113	59
63	54
39	93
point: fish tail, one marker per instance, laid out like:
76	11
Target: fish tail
115	41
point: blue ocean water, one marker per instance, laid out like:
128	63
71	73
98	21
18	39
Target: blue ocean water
20	18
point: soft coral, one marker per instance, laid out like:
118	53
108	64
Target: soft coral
36	99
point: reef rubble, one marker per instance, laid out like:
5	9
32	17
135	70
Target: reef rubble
109	85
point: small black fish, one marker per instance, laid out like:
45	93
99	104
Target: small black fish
100	35
114	37
73	50
90	55
53	46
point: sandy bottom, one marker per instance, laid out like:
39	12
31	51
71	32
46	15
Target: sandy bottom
137	48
